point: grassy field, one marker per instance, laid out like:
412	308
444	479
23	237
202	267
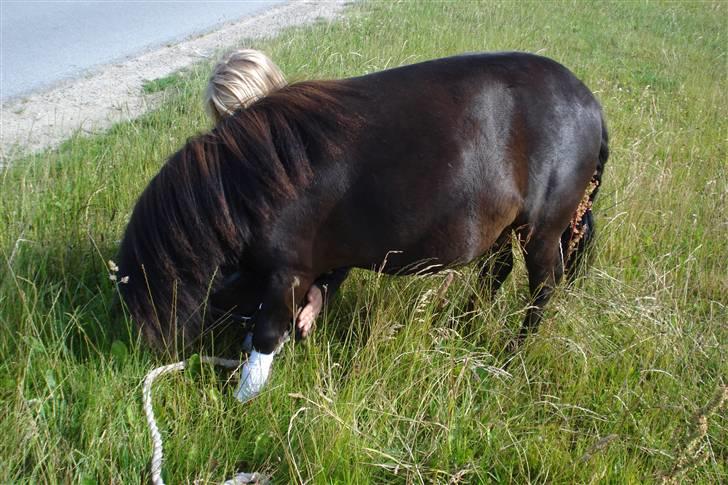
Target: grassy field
394	385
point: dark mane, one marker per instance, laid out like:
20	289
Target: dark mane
210	197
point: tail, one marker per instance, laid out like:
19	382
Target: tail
579	236
602	160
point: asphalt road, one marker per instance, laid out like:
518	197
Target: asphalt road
43	42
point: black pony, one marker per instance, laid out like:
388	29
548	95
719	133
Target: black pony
440	161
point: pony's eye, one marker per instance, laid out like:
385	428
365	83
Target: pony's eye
232	278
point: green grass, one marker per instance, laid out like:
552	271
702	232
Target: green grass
392	387
176	79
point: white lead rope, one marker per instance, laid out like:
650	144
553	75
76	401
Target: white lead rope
157	452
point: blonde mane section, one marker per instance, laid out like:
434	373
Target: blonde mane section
240	79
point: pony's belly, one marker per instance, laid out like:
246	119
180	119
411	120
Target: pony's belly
455	244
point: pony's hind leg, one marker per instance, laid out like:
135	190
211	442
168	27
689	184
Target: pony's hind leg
498	264
545	269
495	268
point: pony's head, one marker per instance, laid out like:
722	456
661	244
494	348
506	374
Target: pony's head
181	243
188	231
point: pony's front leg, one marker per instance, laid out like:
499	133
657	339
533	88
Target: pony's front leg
271	328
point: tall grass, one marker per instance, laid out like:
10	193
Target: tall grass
396	385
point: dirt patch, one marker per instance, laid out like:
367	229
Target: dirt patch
112	93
